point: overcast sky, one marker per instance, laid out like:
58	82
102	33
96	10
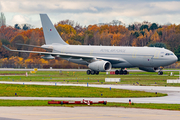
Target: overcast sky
91	12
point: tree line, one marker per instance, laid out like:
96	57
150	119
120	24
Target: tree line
117	34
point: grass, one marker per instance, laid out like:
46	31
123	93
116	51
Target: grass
70	91
125	105
135	78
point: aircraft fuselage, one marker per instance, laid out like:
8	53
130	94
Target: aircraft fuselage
128	56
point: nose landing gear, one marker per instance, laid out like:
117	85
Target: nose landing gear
160	72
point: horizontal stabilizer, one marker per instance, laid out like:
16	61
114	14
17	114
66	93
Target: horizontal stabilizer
47	49
43	53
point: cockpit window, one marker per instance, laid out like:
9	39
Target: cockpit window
169	54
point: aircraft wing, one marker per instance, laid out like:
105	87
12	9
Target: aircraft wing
71	56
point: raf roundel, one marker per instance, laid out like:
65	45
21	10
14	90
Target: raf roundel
50	29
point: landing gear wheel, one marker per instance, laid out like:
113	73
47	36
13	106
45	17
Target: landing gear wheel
117	72
121	72
125	72
93	72
97	72
160	72
88	72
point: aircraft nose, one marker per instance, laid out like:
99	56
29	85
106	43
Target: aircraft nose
175	58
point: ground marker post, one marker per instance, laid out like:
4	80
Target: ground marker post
110	88
26	74
129	101
87	84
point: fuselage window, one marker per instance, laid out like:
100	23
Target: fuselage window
169	54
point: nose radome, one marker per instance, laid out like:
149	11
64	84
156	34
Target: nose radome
175	58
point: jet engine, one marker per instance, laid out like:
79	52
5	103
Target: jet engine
101	66
148	69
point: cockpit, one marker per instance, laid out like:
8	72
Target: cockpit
169	54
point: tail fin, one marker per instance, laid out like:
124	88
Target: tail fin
50	33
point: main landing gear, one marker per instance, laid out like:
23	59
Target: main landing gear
160	72
121	72
92	72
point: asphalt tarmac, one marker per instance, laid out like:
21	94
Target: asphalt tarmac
85	113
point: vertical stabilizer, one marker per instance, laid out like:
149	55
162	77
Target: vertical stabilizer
50	33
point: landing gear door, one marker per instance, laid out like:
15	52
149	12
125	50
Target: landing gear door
156	54
134	53
91	52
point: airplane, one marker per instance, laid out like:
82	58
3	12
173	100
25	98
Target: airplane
101	58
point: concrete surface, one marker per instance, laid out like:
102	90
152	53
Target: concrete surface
85	113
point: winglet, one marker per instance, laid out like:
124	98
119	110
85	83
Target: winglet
6	48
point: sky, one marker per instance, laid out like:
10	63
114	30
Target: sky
90	12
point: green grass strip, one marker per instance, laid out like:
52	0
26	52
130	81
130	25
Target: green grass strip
134	78
125	105
70	91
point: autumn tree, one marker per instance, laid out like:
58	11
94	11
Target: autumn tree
97	38
7	33
105	38
67	29
116	39
93	28
155	37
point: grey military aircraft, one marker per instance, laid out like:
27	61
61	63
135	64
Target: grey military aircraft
102	58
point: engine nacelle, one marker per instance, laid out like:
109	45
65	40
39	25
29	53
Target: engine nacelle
148	69
101	66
